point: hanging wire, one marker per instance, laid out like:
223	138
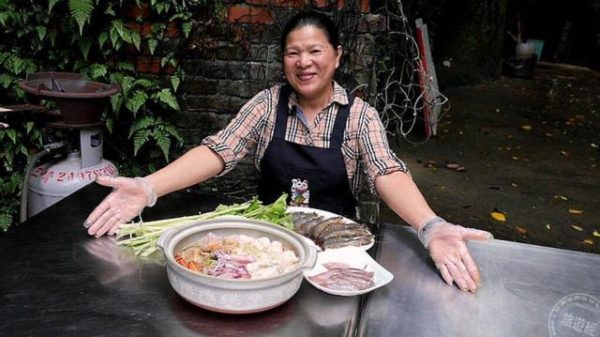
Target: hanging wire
401	99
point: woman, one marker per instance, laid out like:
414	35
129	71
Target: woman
311	139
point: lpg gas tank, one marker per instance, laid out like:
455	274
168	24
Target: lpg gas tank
51	182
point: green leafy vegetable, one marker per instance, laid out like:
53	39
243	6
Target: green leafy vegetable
142	236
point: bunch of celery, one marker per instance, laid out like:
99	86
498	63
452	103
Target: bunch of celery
142	236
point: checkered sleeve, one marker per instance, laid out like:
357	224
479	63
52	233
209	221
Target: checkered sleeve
242	134
375	154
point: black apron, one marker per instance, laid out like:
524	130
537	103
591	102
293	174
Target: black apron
323	169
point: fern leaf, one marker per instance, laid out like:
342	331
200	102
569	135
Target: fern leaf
12	134
175	81
140	139
102	38
41	32
187	29
126	84
134	103
98	70
136	40
152	44
81	11
172	130
141	124
84	46
115	102
51	4
5	80
164	143
5	221
126	66
28	127
143	82
166	97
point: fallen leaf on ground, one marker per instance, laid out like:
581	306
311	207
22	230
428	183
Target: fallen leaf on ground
526	127
548	227
575	211
498	216
521	230
452	166
588	242
596	234
560	197
514	185
577	228
564	153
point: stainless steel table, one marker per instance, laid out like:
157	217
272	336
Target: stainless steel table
526	290
57	281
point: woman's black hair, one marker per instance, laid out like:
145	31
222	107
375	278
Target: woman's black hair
312	18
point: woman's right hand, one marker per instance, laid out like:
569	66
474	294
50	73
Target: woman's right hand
126	201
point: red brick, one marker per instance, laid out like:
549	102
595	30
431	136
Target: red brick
365	6
172	30
244	14
134	11
287	3
146	64
321	3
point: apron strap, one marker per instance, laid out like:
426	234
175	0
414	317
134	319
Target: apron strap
282	112
339	126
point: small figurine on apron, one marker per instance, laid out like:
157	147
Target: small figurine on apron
300	195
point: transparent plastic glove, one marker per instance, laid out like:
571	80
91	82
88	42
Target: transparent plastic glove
126	201
448	249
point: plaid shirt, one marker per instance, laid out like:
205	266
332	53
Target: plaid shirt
365	147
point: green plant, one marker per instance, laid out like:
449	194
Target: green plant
109	44
16	143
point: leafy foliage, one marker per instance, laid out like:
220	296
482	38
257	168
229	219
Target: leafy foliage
15	142
81	11
110	42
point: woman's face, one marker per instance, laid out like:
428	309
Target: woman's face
309	62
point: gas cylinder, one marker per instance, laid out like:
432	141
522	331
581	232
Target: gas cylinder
50	182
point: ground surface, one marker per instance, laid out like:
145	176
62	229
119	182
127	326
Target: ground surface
530	150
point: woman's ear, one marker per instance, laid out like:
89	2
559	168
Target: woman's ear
338	57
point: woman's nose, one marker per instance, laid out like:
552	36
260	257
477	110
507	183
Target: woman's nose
304	60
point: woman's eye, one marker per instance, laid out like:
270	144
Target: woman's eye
316	51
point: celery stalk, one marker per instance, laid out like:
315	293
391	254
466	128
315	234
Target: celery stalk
141	236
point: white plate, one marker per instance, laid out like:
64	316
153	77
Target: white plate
327	215
354	257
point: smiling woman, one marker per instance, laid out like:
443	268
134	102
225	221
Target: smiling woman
310	59
309	138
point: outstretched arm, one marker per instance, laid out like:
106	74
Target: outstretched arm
446	242
130	195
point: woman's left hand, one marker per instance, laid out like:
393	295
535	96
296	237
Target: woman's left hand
447	244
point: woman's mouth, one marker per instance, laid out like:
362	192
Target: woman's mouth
306	76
